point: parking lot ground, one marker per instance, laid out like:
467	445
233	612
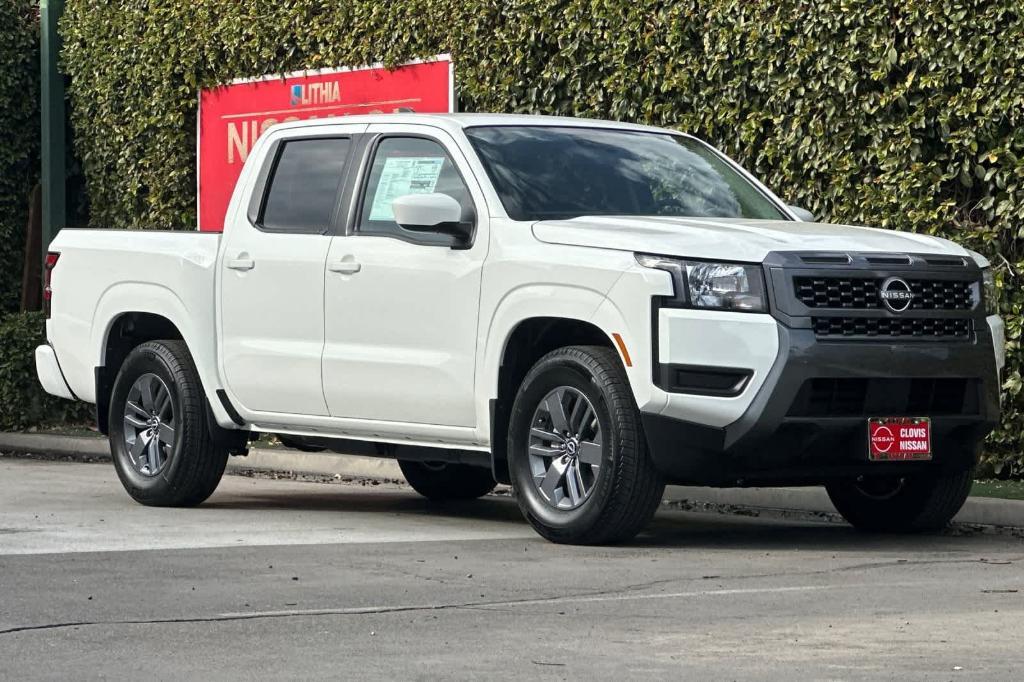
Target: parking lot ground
287	579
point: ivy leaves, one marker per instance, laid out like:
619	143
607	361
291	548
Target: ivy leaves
19	141
906	115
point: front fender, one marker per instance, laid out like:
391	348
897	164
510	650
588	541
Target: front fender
526	302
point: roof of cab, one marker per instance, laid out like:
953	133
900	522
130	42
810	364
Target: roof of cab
459	121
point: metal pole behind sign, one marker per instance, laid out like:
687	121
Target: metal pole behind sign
54	175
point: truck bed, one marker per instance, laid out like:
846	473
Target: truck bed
102	272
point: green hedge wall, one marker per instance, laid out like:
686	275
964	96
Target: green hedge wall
23	403
19	139
897	114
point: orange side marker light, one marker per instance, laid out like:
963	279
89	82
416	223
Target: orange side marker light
622	349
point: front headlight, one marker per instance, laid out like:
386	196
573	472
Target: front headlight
989	291
714	286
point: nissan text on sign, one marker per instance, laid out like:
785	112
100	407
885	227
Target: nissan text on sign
232	117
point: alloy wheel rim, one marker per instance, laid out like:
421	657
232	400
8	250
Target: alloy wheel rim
565	448
149	425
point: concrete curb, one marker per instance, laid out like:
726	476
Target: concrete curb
260	459
981	511
977	511
89	447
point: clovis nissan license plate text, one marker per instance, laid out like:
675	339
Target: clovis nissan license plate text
899	438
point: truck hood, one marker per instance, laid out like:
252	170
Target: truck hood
731	238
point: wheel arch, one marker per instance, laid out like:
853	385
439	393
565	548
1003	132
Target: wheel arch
133	313
524	344
123	333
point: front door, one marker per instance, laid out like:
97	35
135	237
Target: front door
401	307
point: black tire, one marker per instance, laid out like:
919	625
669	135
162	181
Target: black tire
194	465
627	490
441	481
913	504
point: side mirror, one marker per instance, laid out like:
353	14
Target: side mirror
431	213
802	214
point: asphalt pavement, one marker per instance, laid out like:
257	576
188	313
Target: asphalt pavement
280	579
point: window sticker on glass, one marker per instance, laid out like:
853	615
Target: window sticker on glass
404	175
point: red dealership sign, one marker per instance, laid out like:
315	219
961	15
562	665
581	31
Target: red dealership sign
233	116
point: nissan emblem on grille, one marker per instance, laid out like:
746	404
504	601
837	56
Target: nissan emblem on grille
896	294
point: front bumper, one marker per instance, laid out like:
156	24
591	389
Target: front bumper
795	432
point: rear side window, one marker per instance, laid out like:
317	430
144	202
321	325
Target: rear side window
304	185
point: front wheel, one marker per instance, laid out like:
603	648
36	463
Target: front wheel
577	452
896	504
159	437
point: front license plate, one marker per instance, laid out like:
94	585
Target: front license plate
898	439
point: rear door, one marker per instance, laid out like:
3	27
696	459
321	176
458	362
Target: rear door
272	273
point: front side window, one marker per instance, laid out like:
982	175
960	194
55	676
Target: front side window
408	165
553	172
304	185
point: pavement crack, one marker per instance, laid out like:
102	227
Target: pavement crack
592	596
228	617
870	566
634	591
351	611
623	592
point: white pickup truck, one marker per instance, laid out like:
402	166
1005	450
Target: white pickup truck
584	309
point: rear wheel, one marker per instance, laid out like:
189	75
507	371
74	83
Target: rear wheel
894	504
159	437
577	452
443	481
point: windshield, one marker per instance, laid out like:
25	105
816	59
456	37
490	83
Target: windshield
547	172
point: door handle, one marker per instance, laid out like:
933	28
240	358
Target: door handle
241	263
345	267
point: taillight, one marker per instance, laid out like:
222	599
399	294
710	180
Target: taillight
49	265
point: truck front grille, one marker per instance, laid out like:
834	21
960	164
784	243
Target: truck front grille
890	327
872	397
862	297
861	293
